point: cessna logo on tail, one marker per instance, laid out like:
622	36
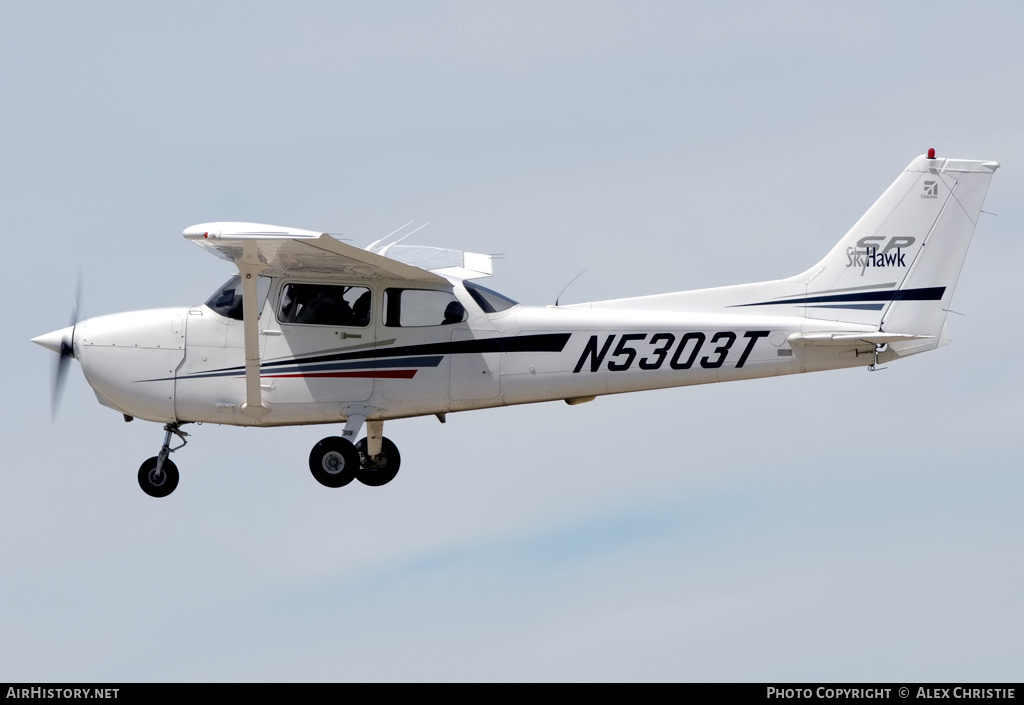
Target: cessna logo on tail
866	253
931	189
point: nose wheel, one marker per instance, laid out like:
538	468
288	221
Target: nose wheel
158	484
158	476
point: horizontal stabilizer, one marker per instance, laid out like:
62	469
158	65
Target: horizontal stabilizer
877	338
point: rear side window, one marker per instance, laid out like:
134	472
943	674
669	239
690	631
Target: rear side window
325	305
409	308
488	299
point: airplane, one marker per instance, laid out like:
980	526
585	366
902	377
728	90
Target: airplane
311	330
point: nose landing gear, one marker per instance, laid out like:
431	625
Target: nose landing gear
158	476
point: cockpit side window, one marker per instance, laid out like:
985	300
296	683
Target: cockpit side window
409	308
227	300
325	305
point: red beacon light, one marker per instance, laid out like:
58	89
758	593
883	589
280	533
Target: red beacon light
931	152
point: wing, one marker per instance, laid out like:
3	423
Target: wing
277	251
282	251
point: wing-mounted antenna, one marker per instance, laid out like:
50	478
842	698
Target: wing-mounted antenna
568	285
384	250
379	245
376	245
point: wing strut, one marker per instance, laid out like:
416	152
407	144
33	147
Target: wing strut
250	267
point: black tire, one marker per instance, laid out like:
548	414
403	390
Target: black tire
334	462
162	486
381	470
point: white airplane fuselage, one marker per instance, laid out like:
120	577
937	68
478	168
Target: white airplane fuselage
315	331
184	364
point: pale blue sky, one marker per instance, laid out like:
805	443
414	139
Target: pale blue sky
839	526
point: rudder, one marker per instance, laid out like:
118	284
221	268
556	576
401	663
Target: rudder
923	300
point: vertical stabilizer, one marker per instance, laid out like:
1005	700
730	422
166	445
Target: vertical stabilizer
897	266
894	271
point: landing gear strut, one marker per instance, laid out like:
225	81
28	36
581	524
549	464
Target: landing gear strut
158	476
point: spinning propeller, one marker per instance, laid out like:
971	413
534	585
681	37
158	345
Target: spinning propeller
61	342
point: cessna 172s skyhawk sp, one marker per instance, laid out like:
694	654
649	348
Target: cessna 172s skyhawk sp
312	330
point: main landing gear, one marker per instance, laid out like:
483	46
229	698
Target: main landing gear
158	476
334	461
374	461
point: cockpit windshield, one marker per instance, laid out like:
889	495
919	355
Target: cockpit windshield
489	300
227	300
